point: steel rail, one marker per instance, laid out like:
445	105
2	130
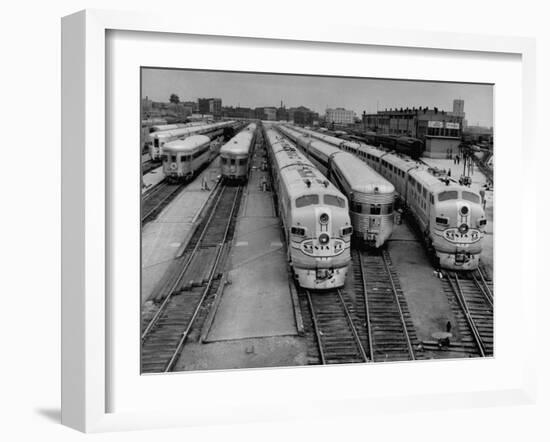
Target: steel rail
316	328
483	290
352	327
463	304
484	282
159	312
401	315
159	188
183	338
367	309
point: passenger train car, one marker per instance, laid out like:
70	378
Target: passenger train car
159	139
165	127
235	154
315	217
450	216
370	196
182	159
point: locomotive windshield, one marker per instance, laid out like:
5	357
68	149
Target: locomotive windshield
333	200
469	196
307	200
447	195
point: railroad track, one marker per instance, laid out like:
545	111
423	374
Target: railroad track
157	199
471	297
337	337
389	331
366	321
148	166
183	302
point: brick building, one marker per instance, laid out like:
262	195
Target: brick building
441	131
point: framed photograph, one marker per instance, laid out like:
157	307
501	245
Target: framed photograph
287	222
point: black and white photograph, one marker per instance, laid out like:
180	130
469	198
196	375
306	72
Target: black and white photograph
295	220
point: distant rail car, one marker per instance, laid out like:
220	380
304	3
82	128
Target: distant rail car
182	159
159	139
235	154
370	195
413	147
314	214
164	127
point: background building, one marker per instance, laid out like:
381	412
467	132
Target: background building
458	108
211	106
270	113
340	116
302	115
238	112
441	131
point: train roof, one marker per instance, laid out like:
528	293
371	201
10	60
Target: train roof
178	132
320	136
300	176
361	177
188	144
240	143
436	184
190	130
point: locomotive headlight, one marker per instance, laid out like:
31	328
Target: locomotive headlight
463	228
323	219
464	210
324	239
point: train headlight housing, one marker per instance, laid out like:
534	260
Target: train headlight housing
323	219
300	231
347	231
464	210
324	239
463	228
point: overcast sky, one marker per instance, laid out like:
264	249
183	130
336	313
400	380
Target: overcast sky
317	93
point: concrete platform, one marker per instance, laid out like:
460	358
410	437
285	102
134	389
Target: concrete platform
428	304
280	351
257	302
152	178
161	238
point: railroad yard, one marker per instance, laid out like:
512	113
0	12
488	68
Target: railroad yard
218	292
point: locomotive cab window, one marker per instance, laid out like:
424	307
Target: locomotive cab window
469	196
242	161
447	195
224	160
307	200
332	200
232	161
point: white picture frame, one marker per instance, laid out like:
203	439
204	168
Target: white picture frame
86	351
